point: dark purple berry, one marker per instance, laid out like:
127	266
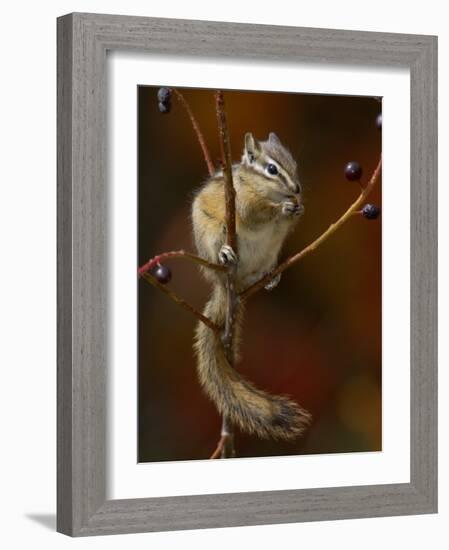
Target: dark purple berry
162	274
164	95
371	211
379	121
164	107
353	171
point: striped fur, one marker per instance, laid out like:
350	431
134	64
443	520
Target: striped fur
262	225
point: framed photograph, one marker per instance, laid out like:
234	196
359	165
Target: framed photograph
247	281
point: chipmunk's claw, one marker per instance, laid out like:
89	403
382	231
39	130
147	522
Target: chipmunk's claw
273	283
291	208
227	256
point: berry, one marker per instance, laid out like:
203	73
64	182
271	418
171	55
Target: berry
164	99
164	107
164	95
371	211
379	121
353	171
162	274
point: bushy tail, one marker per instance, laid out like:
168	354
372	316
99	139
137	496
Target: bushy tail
253	410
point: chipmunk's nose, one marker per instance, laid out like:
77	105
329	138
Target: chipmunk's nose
297	188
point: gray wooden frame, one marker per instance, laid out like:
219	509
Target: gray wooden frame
83	40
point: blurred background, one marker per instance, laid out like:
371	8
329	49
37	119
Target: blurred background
317	336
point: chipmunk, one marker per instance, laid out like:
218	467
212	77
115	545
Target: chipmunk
268	205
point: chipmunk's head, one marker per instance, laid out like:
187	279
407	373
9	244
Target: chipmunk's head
274	162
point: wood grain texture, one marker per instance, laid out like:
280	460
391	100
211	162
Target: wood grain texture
64	277
83	40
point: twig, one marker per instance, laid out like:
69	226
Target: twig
206	154
219	449
152	262
228	449
152	280
226	159
225	445
317	242
227	434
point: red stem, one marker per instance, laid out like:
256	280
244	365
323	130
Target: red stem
228	448
219	449
152	262
199	134
185	305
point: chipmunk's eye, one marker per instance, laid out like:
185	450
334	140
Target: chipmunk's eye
272	169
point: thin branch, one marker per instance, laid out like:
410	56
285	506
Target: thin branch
228	448
196	128
226	159
219	449
225	446
185	305
231	236
317	242
227	434
152	262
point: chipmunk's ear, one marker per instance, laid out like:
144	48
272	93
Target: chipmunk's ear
252	148
273	139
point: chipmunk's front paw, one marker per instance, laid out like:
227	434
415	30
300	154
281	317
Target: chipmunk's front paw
291	208
227	256
273	283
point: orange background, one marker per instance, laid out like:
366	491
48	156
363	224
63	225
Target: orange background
317	337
